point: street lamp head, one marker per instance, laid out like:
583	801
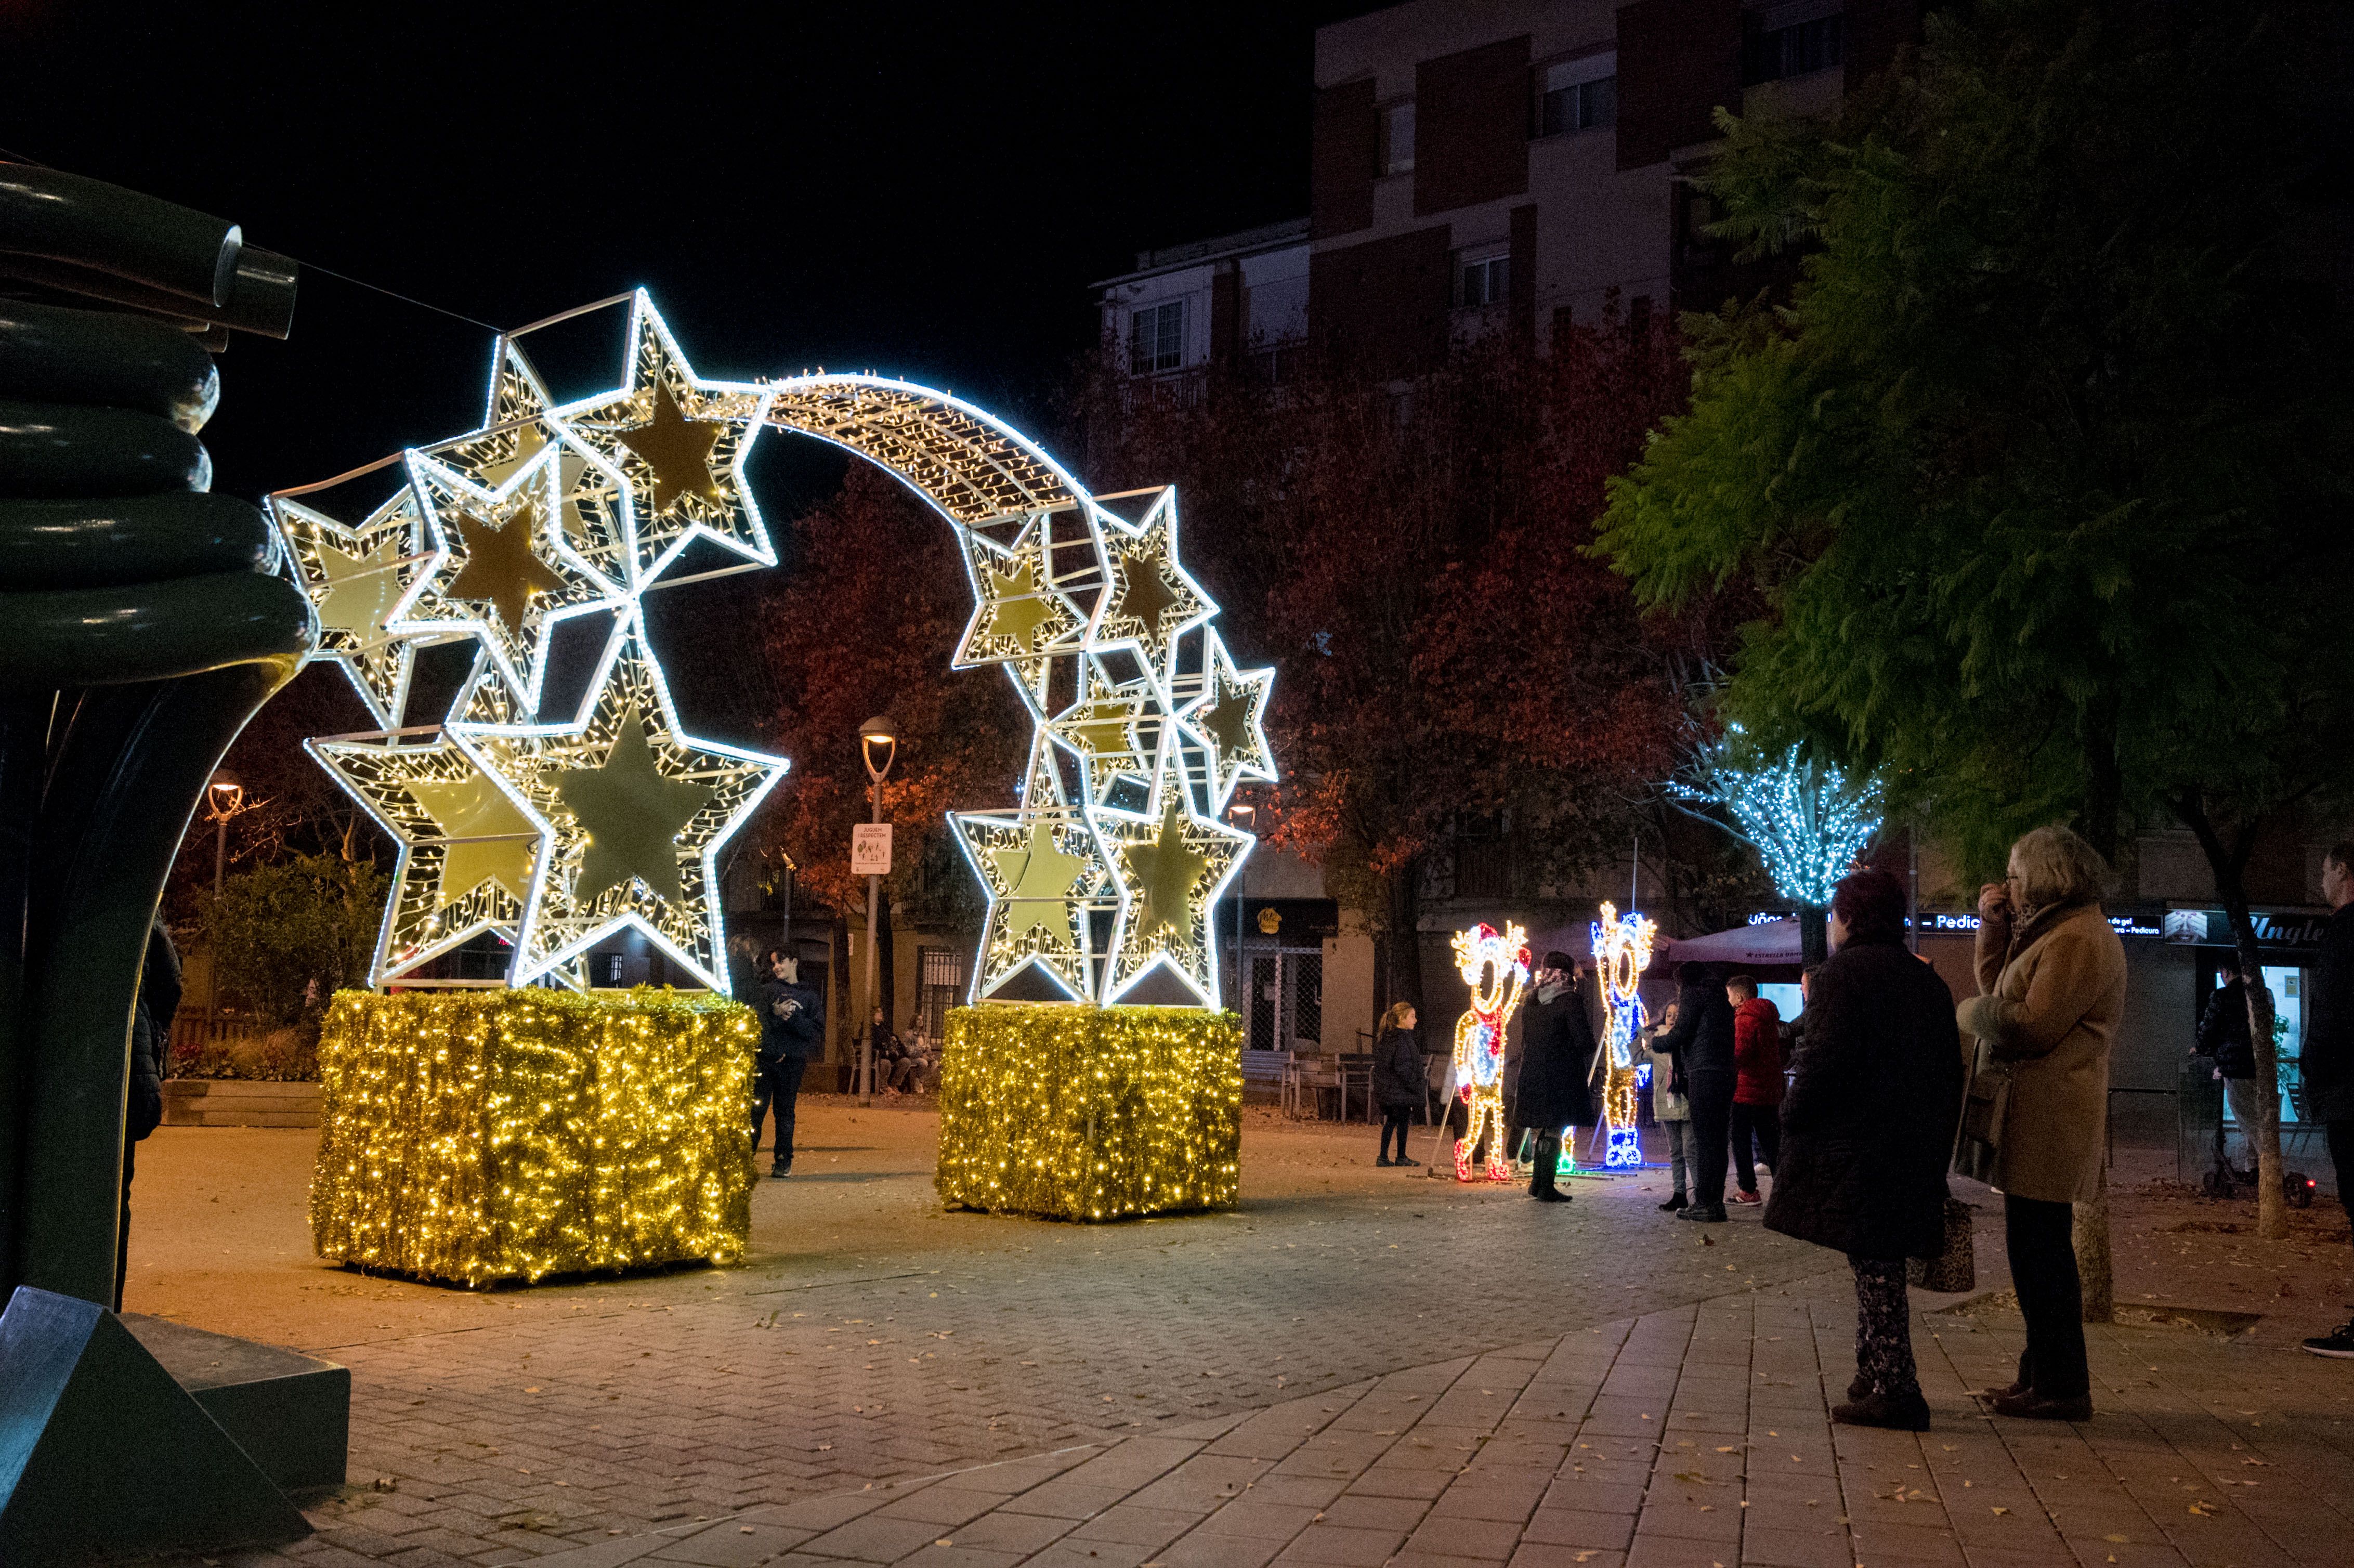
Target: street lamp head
1240	812
224	792
878	739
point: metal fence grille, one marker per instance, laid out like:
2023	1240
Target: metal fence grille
1287	1000
939	986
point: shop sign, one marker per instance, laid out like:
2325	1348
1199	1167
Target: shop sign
2212	928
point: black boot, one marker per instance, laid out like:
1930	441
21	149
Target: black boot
1898	1413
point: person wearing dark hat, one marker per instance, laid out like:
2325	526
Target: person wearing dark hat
1867	1126
1701	1045
1557	1060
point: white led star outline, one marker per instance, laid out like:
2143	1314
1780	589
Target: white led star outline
1062	601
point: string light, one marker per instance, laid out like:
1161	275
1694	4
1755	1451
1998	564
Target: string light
1090	1113
1496	966
1622	952
1807	821
487	1135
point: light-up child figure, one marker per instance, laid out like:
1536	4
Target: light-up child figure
1496	968
1622	952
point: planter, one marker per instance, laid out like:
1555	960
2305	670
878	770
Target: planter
238	1102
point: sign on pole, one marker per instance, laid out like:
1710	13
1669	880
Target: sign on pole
870	850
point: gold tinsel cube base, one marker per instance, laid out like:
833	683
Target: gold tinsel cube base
474	1135
1090	1113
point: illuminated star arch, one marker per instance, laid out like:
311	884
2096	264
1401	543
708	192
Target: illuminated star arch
557	834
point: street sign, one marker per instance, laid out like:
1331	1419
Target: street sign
870	850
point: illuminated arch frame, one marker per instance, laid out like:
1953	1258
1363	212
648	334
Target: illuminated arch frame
998	489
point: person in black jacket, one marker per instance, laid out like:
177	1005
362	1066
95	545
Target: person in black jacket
150	1044
1867	1128
1701	1046
2224	1035
1400	1081
1556	1058
792	1030
2328	1056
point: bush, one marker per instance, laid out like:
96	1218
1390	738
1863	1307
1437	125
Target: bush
278	928
281	1057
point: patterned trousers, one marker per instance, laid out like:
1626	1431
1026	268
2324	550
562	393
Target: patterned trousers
1884	1329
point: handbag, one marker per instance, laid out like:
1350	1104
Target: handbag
1954	1268
1978	1142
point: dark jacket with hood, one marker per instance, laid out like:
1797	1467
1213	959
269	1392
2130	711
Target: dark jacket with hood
1701	1041
792	1021
1556	1055
2328	1054
2223	1032
150	1031
1868	1124
1399	1079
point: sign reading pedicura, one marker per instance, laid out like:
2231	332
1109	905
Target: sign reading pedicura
870	848
558	832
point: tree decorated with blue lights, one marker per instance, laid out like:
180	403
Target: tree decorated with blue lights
1807	819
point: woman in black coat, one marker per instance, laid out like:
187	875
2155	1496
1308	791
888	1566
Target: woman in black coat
1867	1128
1399	1081
1556	1062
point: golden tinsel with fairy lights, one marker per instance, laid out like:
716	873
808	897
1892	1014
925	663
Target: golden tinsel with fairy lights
1090	1113
475	1136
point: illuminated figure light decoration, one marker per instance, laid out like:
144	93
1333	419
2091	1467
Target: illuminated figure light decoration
1622	952
1496	966
1103	875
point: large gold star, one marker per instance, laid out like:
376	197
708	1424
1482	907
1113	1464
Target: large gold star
1144	595
1039	880
501	569
1231	715
1149	600
474	808
678	449
631	814
570	467
1163	872
1015	609
360	591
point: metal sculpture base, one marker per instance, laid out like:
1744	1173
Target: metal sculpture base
102	1453
291	1413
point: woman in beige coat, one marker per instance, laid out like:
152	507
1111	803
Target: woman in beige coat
2052	983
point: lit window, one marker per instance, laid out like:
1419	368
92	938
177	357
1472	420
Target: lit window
1484	281
1794	40
1156	338
1398	138
1580	95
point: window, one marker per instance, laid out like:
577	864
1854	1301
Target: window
1794	40
1482	279
1156	338
941	986
1579	95
1398	138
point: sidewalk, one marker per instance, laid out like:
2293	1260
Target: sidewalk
1692	1437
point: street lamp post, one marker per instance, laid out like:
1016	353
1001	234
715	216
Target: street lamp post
1242	816
875	736
223	792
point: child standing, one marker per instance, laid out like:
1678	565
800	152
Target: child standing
1668	1108
1399	1082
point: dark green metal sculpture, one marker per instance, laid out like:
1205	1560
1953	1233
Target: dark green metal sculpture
141	626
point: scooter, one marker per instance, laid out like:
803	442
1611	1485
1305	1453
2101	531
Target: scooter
2222	1181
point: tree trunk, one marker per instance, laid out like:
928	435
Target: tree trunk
2228	865
1402	938
837	1002
1814	934
2091	1237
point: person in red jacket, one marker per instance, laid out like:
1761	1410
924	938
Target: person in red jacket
1757	1084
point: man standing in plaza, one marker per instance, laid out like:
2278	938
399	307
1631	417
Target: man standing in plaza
1701	1044
792	1030
2328	1056
2225	1035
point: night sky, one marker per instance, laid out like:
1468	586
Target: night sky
919	190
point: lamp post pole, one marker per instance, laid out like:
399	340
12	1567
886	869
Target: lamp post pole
873	733
1242	816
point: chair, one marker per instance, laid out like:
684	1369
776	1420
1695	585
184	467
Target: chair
1312	1075
1356	1073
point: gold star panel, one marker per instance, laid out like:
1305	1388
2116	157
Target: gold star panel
680	442
1044	874
469	851
505	576
1020	616
1172	866
1230	719
360	579
1150	600
1116	731
637	810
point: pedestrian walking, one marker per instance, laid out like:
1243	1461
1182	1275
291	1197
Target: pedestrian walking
2328	1055
1557	1048
1700	1044
792	1032
2052	985
2224	1036
1757	1084
1670	1109
150	1044
1867	1128
1400	1083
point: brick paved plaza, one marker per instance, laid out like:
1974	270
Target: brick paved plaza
1360	1366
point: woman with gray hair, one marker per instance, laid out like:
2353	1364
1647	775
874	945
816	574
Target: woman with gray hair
2051	984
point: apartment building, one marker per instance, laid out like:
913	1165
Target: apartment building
1238	302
